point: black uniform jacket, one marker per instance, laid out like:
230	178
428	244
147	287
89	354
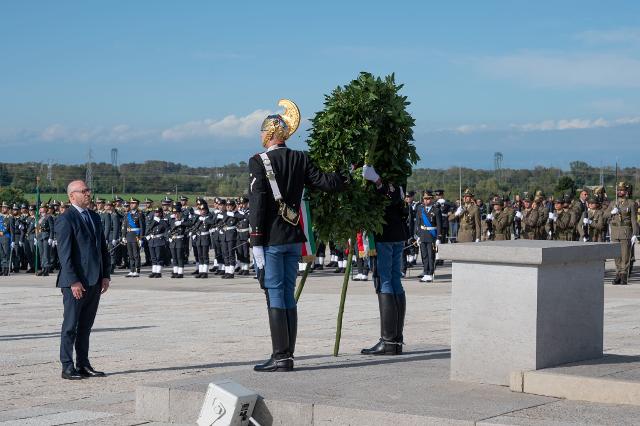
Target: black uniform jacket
435	218
294	170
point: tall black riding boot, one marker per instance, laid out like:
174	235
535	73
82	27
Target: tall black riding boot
388	327
281	359
292	324
401	303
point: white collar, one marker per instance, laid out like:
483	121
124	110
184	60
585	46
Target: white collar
80	209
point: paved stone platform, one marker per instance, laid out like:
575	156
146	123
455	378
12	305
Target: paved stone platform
163	331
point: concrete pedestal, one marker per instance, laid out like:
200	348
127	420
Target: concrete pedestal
524	305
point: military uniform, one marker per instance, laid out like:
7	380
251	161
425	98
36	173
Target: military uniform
428	228
44	234
217	236
133	231
178	238
501	224
30	242
202	238
5	239
186	213
242	250
561	223
18	239
592	223
529	219
156	237
230	230
468	215
622	216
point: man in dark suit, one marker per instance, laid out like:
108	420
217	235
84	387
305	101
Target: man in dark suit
84	275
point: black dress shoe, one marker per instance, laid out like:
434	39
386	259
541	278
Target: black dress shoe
72	374
89	372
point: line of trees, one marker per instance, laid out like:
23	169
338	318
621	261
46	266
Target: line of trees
162	176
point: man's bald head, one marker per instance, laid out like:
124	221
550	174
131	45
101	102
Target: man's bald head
79	194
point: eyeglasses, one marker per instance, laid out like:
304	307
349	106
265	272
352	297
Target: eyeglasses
84	191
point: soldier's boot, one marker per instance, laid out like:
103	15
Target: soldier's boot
401	303
292	324
281	357
197	271
617	280
180	272
153	271
205	271
38	274
387	345
159	271
230	274
45	272
175	272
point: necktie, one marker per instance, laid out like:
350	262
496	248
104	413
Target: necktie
87	219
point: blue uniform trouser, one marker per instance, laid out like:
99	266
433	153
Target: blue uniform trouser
280	272
390	266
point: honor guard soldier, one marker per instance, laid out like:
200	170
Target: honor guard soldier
192	219
202	238
133	231
468	215
501	221
113	236
147	209
230	229
119	249
428	230
178	224
410	255
156	237
186	212
17	237
242	250
543	215
561	223
592	222
44	233
276	182
528	219
5	239
54	211
23	248
31	241
217	236
622	217
508	209
167	203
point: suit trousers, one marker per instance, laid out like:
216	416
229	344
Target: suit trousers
79	315
428	257
133	249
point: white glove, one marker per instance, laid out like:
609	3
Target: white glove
13	245
459	211
140	243
585	239
35	241
553	217
156	218
519	215
437	242
477	240
634	240
124	240
550	233
114	242
193	237
148	237
50	241
21	244
369	173
173	216
177	222
488	233
489	217
230	214
196	212
202	218
551	214
170	240
258	256
441	201
587	221
615	210
55	243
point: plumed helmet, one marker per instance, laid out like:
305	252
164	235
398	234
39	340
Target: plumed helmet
281	126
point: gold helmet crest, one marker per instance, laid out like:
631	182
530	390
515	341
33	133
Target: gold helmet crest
282	126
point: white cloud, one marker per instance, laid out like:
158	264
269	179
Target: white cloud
118	133
574	124
471	128
565	69
620	35
229	126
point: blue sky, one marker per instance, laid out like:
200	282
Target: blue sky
543	82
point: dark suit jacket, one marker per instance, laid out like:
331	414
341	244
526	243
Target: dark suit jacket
83	255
